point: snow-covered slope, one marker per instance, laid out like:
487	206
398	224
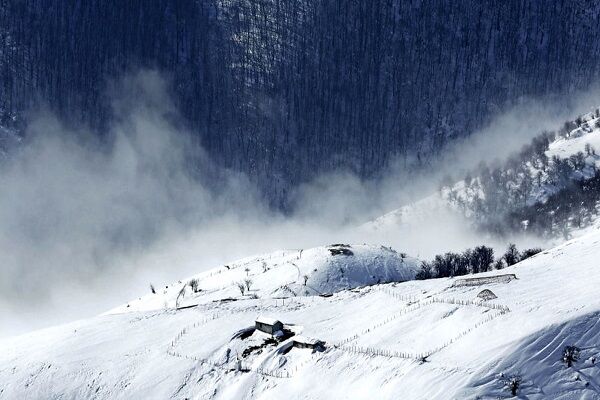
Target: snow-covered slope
288	273
587	133
416	340
412	215
446	201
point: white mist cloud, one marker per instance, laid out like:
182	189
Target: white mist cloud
85	226
69	207
513	128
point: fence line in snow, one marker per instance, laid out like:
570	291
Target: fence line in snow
410	355
389	319
443	300
414	304
171	350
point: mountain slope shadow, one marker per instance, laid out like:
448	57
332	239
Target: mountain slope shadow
538	361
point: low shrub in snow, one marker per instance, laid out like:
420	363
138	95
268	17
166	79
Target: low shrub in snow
570	355
513	383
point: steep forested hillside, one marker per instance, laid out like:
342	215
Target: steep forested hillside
284	89
550	188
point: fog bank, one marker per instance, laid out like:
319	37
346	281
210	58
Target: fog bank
88	223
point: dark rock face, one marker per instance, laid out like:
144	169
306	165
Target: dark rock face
282	89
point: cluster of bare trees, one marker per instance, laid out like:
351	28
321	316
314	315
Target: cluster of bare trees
472	261
244	286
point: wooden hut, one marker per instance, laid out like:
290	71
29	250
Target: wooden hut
303	342
487	294
268	325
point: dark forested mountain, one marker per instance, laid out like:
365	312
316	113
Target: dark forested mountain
282	89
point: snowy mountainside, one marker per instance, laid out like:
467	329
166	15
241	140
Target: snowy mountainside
289	273
495	198
433	339
413	214
588	133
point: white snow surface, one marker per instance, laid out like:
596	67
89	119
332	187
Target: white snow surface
376	336
286	273
577	139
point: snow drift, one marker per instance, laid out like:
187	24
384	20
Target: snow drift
288	273
424	339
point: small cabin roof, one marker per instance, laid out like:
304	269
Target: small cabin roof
487	294
267	320
306	340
